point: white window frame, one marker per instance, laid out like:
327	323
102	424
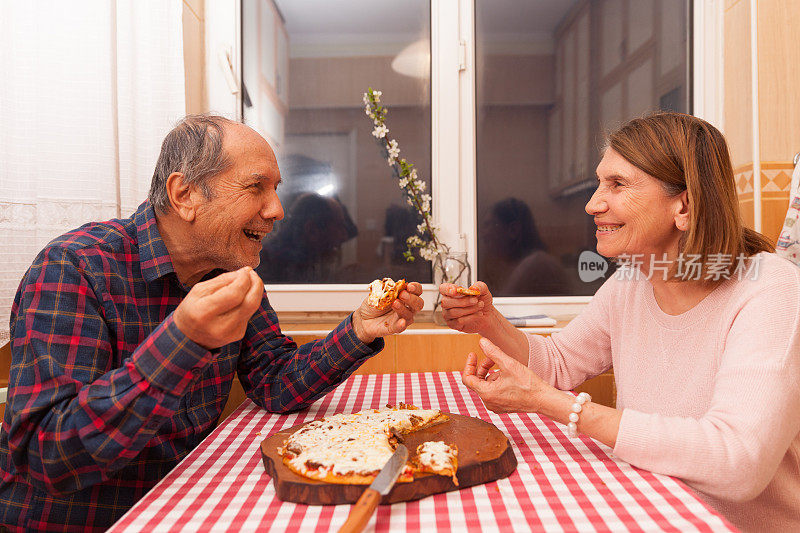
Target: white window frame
453	157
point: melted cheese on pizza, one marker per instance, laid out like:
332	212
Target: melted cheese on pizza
435	454
357	443
378	289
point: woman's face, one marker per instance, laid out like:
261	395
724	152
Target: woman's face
633	213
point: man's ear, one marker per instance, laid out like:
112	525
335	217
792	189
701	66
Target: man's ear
682	214
182	196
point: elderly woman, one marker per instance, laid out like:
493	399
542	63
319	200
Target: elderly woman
701	330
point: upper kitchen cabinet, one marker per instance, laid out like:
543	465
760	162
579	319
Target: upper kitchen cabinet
266	69
570	120
642	46
615	60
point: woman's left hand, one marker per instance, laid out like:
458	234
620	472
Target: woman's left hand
513	387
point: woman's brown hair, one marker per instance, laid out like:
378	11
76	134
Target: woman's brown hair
686	153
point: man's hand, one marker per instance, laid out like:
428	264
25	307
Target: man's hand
215	312
468	314
511	388
370	323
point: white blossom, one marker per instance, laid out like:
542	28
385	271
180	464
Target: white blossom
425	240
380	131
394	151
428	253
426	202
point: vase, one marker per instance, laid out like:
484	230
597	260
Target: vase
449	267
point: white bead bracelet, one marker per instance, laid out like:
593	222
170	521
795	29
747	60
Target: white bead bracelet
574	416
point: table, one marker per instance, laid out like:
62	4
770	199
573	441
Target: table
561	484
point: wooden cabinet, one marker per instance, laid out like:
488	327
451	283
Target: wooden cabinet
615	60
265	56
611	35
569	117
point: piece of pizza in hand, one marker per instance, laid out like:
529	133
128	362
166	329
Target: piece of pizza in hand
382	292
468	292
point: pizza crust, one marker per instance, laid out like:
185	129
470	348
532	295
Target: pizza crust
350	478
468	292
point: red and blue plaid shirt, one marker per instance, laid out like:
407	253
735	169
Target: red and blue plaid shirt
107	395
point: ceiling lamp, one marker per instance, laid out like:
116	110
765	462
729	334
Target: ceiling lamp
414	60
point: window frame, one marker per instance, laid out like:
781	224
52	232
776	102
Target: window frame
453	157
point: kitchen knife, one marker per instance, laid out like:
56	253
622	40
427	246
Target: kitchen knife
369	500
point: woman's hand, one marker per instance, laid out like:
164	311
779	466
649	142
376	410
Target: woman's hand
468	314
513	387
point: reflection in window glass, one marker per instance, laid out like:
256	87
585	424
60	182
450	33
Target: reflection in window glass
552	76
305	66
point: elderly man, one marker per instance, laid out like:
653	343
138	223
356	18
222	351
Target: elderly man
126	335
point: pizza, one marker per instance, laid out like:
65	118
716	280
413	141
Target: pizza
468	292
352	448
382	292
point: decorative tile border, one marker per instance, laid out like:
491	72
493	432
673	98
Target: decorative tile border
776	177
743	177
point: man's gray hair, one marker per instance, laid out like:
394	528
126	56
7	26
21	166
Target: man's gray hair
193	148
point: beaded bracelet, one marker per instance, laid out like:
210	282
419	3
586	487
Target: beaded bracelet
577	407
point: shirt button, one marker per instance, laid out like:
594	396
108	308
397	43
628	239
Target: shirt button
196	372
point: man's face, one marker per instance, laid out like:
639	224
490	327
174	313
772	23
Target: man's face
244	205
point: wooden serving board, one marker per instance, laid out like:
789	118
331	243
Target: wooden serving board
484	454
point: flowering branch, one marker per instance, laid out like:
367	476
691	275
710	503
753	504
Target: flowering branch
413	187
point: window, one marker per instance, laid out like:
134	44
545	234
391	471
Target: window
551	78
506	121
306	64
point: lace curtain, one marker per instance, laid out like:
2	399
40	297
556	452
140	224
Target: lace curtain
88	91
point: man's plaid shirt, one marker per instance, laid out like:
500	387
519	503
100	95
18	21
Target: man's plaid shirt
107	395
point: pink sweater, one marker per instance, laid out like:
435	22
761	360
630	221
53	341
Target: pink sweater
711	396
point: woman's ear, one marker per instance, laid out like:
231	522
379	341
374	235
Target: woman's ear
182	196
682	213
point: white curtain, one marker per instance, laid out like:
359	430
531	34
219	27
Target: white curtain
88	89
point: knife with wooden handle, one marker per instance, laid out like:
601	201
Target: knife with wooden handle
369	500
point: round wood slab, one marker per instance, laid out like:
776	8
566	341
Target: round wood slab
484	454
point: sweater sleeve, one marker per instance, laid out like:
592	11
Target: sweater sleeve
581	350
733	451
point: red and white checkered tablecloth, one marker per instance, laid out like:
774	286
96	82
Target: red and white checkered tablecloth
561	484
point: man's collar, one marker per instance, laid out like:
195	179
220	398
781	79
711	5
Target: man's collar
153	254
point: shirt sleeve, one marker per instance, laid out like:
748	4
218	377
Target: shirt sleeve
580	351
76	412
281	377
733	451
